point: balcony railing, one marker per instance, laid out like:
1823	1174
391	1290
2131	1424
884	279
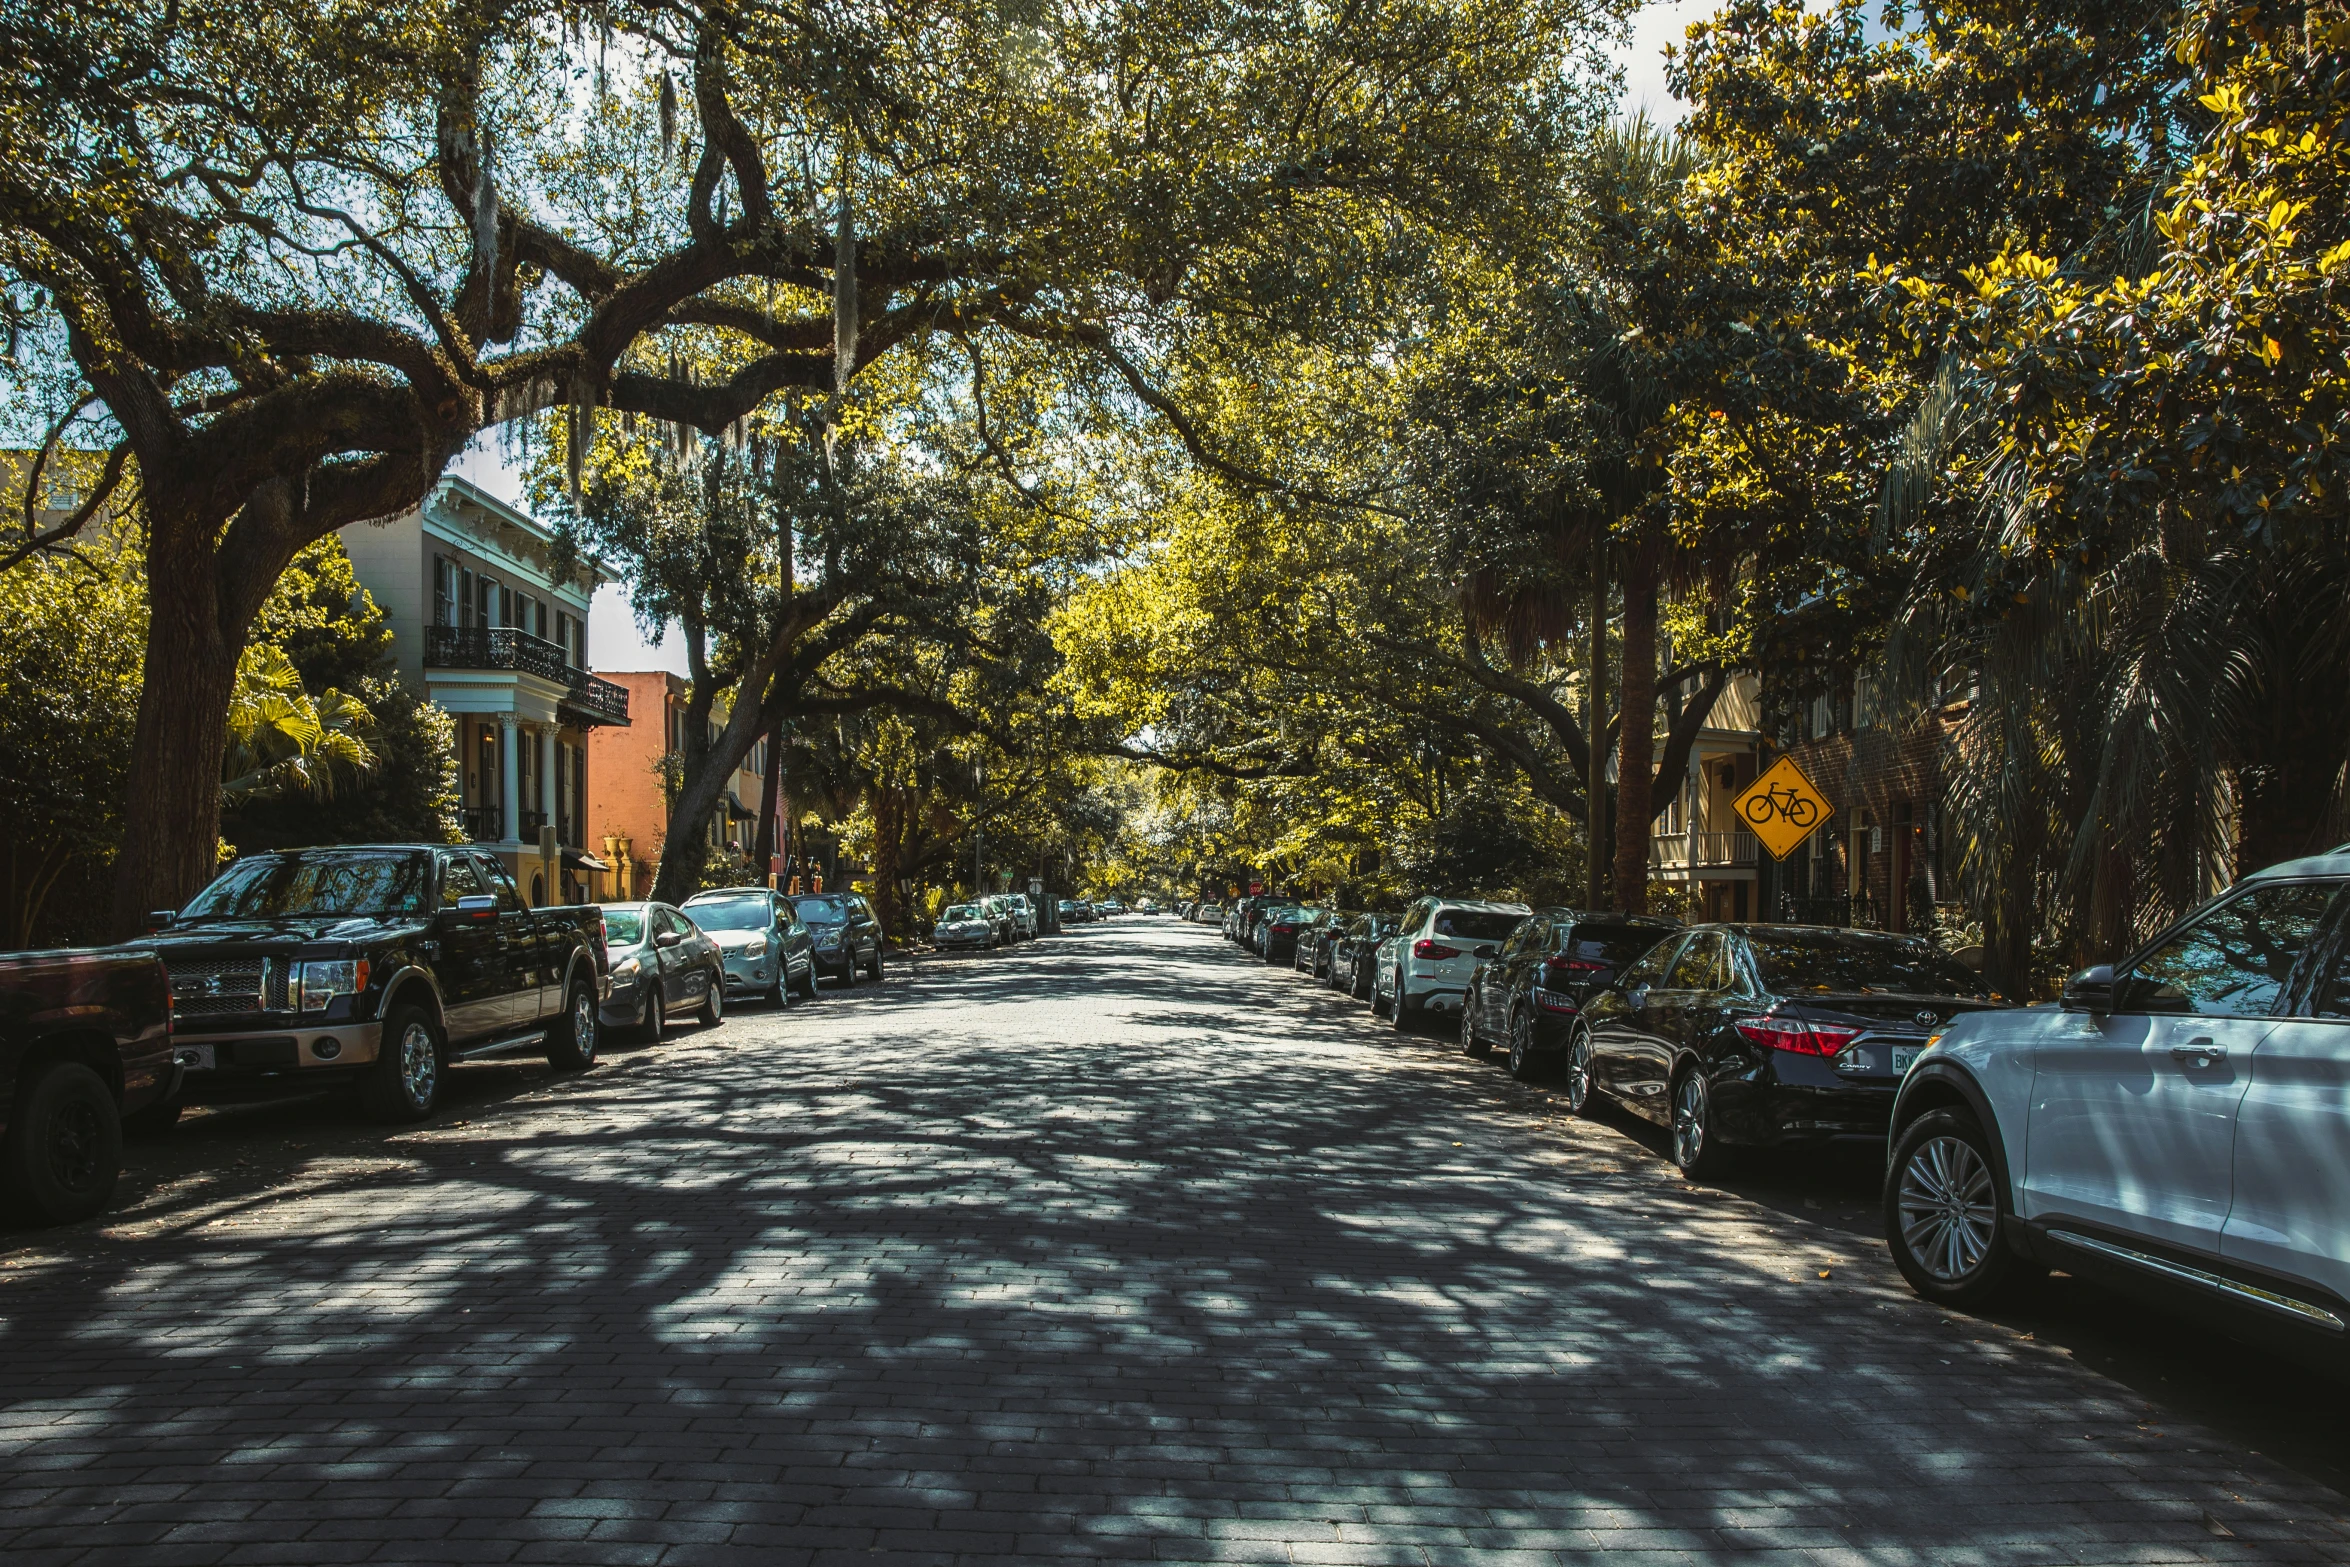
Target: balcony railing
485	823
1697	851
478	647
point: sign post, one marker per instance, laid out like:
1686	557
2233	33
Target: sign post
1783	807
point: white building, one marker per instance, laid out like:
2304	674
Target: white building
483	625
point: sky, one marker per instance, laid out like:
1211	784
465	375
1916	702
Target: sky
615	640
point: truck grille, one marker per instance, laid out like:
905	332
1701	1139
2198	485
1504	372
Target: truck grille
217	987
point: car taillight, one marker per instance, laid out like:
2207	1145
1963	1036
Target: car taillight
1797	1036
1552	1001
1435	950
1565	971
1284	930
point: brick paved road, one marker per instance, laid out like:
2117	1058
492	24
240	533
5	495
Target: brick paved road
1115	1247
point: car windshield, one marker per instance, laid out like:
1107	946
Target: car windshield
624	927
1476	924
823	909
271	886
961	911
1796	961
1610	946
732	913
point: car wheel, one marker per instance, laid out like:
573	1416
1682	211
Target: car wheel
1695	1148
1579	1080
1471	1044
656	1021
1378	998
1358	984
1400	1011
1943	1208
875	971
809	988
64	1150
406	1082
1525	1065
714	1003
773	994
572	1042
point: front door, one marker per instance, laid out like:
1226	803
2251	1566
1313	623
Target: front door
519	959
2291	1213
2133	1119
1625	1043
471	962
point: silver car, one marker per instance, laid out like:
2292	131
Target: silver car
2178	1123
767	950
963	926
662	963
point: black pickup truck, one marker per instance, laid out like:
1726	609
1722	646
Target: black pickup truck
85	1042
374	967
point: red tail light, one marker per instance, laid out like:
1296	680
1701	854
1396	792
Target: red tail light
1433	950
1552	1001
1797	1036
1565	971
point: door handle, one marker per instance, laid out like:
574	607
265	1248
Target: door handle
2199	1052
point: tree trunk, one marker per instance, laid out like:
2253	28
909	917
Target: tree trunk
888	825
769	788
171	820
1594	727
1636	744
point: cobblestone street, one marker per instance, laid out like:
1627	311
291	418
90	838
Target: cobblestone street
1114	1246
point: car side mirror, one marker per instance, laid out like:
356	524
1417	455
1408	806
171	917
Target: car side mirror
472	909
2092	990
161	919
1637	997
667	938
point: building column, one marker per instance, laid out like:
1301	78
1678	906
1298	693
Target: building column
546	803
509	780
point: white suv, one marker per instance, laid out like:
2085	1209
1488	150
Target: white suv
2179	1122
1425	966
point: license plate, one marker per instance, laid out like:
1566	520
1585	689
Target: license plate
196	1058
1903	1055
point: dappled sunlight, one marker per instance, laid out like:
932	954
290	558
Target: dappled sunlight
1042	1252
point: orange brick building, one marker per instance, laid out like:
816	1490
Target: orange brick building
628	784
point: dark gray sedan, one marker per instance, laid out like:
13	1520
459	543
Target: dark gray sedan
661	963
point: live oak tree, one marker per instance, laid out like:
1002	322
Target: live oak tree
297	257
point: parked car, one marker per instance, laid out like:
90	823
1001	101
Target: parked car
373	967
1023	915
1354	951
2174	1125
1277	928
1113	908
1766	1035
1425	966
847	936
661	962
998	910
1312	953
1527	996
1240	919
964	927
85	1045
768	949
1074	912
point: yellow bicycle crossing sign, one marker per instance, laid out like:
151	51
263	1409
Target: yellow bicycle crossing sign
1783	807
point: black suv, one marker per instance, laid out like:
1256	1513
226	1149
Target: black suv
1529	994
848	936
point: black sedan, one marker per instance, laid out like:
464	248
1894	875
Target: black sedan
1766	1035
1278	930
1352	950
1313	942
1529	995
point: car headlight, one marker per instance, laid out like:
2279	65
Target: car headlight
628	968
320	983
756	949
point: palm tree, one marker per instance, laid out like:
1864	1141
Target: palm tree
281	740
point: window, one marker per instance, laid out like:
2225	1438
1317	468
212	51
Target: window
2235	961
1650	971
447	605
1477	924
485	602
2330	996
1699	967
266	886
509	896
538	619
1851	962
459	880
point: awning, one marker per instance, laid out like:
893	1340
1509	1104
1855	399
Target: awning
736	810
578	860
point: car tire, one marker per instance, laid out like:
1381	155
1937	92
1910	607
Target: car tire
1401	1013
656	1019
773	994
1378	1001
875	972
64	1149
1357	984
405	1083
713	1010
1580	1081
1945	1211
155	1120
575	1037
1697	1150
1525	1064
1472	1044
810	988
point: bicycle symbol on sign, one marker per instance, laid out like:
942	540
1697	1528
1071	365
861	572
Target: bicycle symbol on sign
1783	801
